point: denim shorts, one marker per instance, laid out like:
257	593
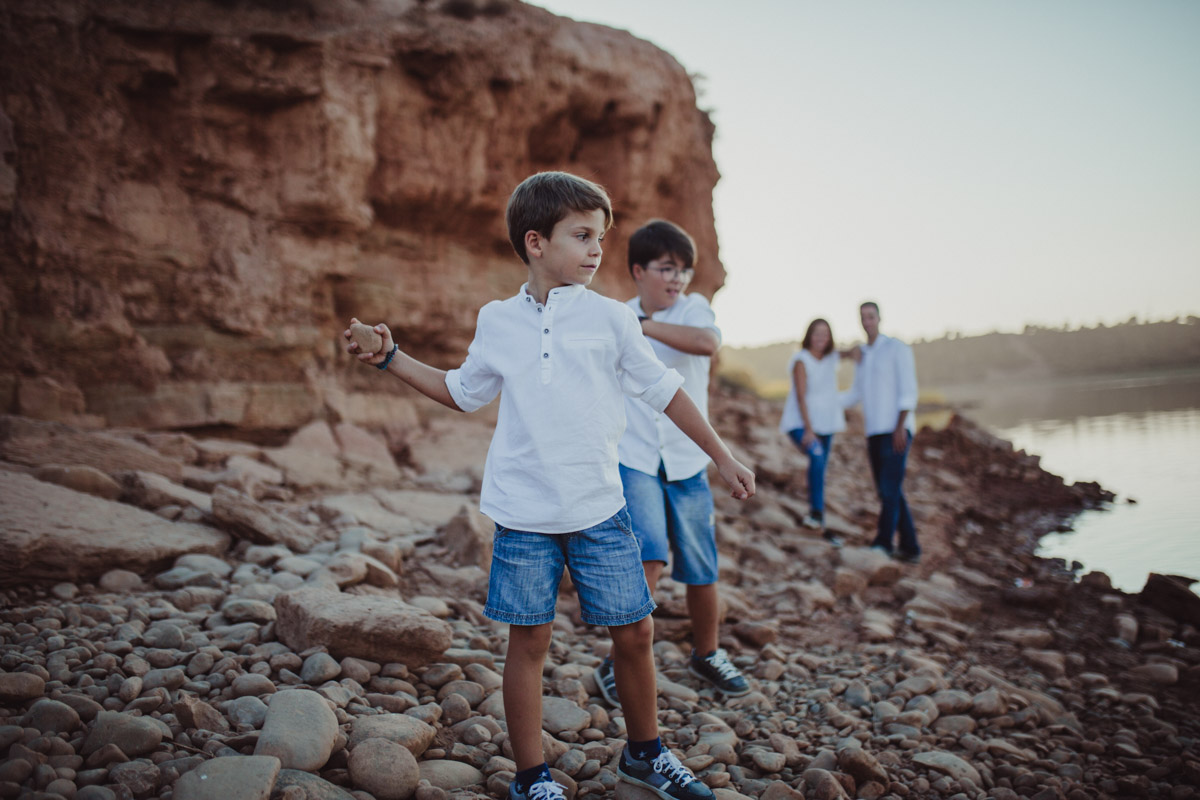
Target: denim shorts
605	565
674	517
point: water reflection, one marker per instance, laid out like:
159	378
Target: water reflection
1137	436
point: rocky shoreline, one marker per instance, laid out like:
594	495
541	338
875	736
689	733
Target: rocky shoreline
206	618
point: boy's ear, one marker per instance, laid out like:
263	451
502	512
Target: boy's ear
637	271
533	243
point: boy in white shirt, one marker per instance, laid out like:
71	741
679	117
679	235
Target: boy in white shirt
561	357
662	470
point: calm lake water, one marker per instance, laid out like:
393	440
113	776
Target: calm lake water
1137	436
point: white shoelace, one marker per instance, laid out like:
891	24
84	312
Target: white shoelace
720	662
667	764
546	790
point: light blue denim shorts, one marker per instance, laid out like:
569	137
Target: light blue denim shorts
605	565
676	518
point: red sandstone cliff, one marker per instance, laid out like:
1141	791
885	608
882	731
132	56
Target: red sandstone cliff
195	196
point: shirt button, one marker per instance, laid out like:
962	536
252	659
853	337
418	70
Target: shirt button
545	355
539	309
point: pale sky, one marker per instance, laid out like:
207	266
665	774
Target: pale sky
970	165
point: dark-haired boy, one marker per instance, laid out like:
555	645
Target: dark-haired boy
663	472
561	358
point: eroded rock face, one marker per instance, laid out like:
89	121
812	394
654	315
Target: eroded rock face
195	198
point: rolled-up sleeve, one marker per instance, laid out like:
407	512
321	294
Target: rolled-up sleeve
642	375
906	379
473	385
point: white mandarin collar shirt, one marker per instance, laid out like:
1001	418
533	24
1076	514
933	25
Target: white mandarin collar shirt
885	382
650	436
562	371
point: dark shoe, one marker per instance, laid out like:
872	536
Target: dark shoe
716	669
907	558
607	682
664	776
833	539
539	790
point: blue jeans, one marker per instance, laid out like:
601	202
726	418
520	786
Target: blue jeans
605	565
674	517
818	458
887	467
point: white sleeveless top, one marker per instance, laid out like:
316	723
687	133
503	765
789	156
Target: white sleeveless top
821	395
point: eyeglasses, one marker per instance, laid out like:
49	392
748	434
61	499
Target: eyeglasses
675	273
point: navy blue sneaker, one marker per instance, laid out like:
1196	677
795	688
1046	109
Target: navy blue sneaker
716	669
607	682
538	790
664	776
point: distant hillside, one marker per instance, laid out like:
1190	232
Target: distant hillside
1036	352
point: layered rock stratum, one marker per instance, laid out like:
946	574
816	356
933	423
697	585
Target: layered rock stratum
195	197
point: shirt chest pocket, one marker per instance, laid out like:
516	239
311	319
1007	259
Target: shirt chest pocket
590	353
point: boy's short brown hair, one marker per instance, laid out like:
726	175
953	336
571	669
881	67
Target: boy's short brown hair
658	238
542	200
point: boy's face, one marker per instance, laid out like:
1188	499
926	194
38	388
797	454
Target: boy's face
571	254
661	282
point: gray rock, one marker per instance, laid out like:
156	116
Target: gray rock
382	629
311	786
134	736
229	778
949	764
450	775
252	684
164	636
300	730
204	563
95	793
384	768
247	711
52	716
402	729
243	610
320	667
560	714
861	765
17	687
857	694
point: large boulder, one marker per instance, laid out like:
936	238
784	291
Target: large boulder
229	778
48	532
248	518
380	629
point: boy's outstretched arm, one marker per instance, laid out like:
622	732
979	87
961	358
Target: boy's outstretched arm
683	412
429	381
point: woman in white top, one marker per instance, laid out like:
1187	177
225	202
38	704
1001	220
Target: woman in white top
813	414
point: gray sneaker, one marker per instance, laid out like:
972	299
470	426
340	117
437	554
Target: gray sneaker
539	790
664	776
607	681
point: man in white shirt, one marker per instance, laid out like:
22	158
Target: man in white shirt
885	382
663	472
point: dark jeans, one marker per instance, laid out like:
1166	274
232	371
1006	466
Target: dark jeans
818	457
887	467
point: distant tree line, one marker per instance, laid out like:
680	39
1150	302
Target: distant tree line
1036	352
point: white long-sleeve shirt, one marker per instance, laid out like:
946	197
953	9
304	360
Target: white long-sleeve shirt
885	382
650	436
562	371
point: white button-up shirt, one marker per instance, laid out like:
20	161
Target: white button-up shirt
562	371
650	436
885	382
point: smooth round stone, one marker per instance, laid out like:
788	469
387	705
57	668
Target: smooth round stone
164	637
247	711
252	684
204	563
385	769
52	716
320	667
